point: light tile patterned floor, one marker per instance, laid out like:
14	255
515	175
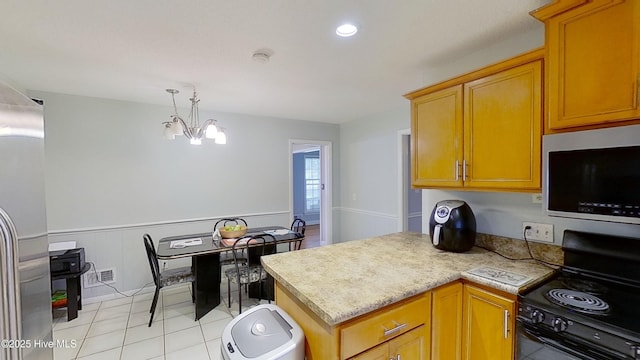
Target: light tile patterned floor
117	329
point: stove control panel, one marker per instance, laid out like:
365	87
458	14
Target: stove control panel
536	316
559	324
588	334
544	319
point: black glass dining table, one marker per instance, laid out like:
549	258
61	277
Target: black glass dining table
205	252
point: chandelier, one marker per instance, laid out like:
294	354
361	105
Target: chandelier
192	130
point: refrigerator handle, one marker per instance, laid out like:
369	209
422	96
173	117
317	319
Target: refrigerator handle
11	329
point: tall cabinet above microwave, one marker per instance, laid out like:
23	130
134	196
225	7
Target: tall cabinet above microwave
593	174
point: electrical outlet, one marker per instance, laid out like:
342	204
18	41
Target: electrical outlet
536	198
539	232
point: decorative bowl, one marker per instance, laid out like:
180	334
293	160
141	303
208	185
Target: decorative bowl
232	234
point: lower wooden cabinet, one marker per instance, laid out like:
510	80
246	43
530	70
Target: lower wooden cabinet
401	329
386	325
446	322
456	321
488	325
472	323
413	345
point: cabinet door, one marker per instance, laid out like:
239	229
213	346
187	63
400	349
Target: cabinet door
593	64
380	352
412	345
436	138
488	325
503	128
446	323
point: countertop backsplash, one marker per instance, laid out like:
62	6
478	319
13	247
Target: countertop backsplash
516	248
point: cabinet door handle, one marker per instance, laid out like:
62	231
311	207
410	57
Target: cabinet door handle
464	170
506	324
397	328
457	164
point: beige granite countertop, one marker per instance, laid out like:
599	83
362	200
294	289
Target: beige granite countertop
342	281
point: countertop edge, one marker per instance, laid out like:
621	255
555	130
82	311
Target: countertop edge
336	320
351	306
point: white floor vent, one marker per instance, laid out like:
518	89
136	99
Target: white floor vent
98	277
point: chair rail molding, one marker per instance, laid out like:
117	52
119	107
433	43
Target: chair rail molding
167	222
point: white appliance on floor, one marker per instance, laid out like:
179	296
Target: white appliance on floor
264	332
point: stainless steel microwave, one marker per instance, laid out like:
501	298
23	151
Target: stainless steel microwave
593	174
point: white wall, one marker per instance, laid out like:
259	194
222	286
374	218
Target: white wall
369	175
111	177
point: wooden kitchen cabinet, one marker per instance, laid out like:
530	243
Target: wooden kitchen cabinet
480	131
593	62
401	328
411	345
446	322
503	129
488	325
436	146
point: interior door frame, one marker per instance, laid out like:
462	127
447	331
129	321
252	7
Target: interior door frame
404	180
326	204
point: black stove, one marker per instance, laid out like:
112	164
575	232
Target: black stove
590	309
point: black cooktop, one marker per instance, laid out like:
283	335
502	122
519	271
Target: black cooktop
610	306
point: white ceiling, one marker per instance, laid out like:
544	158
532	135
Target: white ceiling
135	49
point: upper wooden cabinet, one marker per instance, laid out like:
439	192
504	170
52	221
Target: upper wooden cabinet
503	129
481	130
436	147
593	63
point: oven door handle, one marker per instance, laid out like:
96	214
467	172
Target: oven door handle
556	344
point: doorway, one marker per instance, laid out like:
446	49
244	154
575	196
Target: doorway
409	200
310	188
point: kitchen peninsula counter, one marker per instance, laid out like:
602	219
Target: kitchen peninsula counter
343	281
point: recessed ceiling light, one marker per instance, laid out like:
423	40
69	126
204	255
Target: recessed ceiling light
346	30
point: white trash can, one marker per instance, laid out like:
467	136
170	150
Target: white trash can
264	332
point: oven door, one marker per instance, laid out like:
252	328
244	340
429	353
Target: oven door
537	344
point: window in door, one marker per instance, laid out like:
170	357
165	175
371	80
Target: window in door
312	184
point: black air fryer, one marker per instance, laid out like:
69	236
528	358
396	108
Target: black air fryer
452	226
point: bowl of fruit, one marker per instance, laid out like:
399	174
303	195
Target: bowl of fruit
232	231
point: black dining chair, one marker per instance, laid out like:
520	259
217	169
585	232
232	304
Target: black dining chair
165	278
248	271
230	221
300	226
226	258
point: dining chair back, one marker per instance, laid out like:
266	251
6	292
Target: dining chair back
230	221
225	258
300	226
164	278
248	271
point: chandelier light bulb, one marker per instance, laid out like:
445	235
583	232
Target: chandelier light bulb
177	127
211	132
221	139
169	134
195	141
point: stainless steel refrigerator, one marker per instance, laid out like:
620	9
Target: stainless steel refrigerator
25	317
